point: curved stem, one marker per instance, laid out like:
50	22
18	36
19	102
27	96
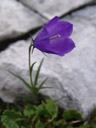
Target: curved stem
29	60
30	64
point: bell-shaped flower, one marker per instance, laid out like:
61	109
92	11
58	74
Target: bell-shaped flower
53	38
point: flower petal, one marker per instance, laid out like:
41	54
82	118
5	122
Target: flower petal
62	28
42	39
61	46
52	22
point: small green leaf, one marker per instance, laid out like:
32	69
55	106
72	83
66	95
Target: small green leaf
11	114
43	82
30	110
9	123
39	124
31	70
72	115
52	108
20	78
10	118
41	85
41	110
45	87
38	72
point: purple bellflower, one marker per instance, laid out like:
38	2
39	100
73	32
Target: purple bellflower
53	38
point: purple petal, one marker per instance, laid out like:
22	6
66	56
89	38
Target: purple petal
52	22
43	34
61	46
42	40
62	28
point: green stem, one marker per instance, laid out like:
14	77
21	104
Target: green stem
30	64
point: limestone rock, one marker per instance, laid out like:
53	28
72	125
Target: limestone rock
73	77
16	19
51	8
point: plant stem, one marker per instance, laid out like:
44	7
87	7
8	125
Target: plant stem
30	64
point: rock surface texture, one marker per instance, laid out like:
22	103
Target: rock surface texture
16	19
72	77
50	8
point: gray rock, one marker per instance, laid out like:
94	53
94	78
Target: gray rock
16	20
51	8
72	76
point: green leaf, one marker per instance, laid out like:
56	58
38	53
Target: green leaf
52	108
45	87
41	110
20	78
38	72
39	124
43	82
11	114
30	110
10	118
9	123
31	69
72	115
41	85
